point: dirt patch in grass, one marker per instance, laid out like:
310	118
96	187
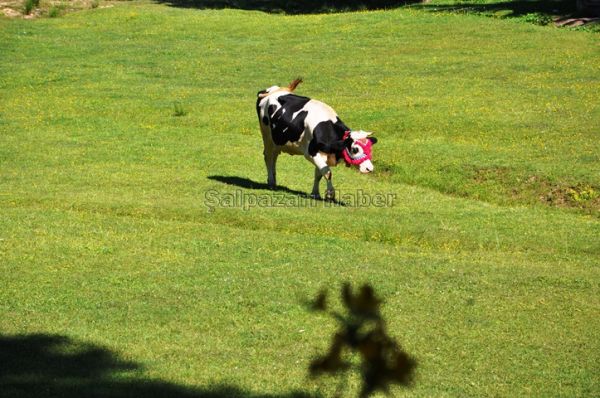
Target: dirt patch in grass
499	184
48	8
538	188
582	196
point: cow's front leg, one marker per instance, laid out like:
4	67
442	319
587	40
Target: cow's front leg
315	191
271	162
321	164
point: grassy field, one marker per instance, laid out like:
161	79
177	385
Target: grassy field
120	253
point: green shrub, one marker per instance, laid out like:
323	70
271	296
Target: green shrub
581	195
178	110
537	18
30	5
54	12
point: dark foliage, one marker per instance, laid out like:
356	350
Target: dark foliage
362	330
516	8
291	6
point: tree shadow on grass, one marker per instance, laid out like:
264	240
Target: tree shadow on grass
247	183
291	6
42	365
508	9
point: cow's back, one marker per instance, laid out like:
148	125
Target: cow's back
290	119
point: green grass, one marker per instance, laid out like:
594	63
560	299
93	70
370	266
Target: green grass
105	237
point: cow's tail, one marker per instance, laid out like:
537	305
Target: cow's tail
292	86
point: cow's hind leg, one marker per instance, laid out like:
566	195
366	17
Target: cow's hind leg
330	193
271	162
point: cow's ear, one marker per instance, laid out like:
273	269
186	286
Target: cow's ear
373	140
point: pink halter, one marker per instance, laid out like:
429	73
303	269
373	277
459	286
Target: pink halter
366	146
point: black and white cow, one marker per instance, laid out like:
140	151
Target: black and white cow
303	126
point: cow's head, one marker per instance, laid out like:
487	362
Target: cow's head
358	150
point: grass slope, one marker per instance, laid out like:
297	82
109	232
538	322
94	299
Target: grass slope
105	236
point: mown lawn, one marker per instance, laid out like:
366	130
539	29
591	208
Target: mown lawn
487	256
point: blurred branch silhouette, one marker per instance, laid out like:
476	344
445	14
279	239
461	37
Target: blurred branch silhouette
43	365
362	330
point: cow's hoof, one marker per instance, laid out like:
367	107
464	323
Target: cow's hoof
316	196
330	195
272	187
